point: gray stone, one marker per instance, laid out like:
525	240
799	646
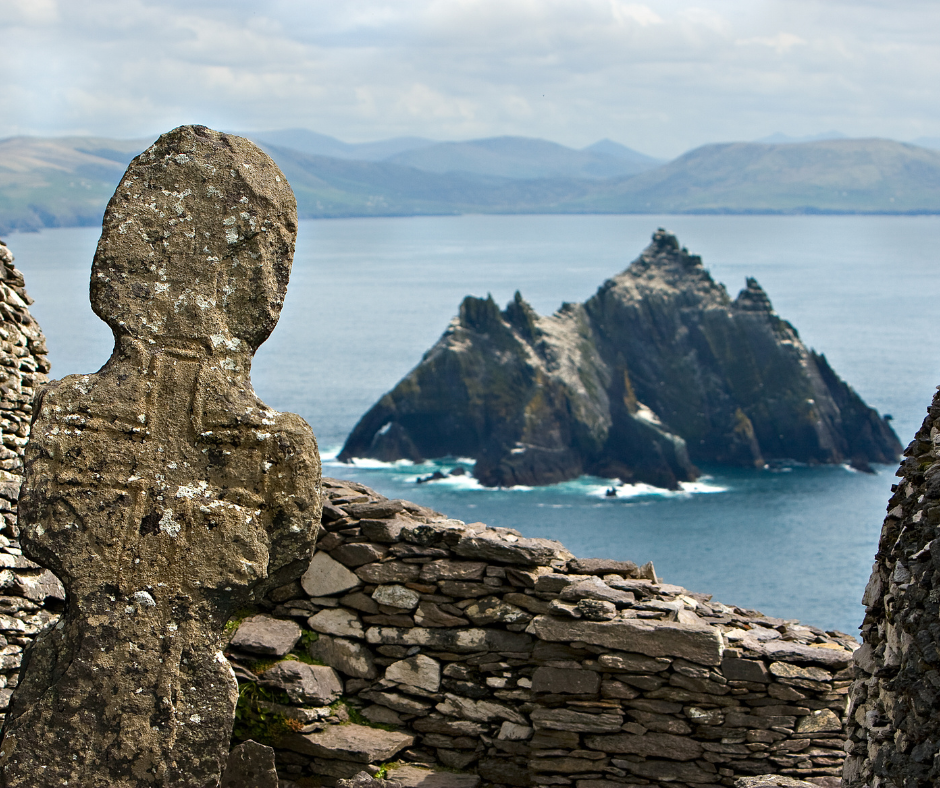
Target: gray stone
576	721
595	588
478	710
417	671
384	531
669	771
397	702
508	549
409	776
701	644
250	765
602	566
396	596
389	572
327	577
492	610
633	663
429	614
346	656
595	610
366	780
649	745
818	722
356	743
266	635
315	685
338	622
448	569
378	510
461	641
565	681
790	651
785	670
773	781
357	554
735	669
160	490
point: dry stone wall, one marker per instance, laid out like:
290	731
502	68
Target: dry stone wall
30	597
440	645
894	727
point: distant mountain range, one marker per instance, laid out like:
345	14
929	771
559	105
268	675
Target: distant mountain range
66	181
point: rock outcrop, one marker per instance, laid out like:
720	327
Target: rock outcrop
658	370
462	647
894	723
160	490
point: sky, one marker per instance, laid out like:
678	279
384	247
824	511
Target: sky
661	77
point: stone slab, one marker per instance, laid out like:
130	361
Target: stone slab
695	643
357	743
460	641
326	576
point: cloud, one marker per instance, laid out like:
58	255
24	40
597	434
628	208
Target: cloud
661	76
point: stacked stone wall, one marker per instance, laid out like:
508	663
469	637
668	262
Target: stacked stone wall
30	597
512	662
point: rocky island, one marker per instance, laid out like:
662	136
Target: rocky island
657	371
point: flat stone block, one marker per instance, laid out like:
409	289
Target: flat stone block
356	743
696	643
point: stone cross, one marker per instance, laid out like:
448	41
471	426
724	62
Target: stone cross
160	490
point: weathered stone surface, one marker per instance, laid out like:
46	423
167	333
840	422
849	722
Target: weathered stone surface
326	576
736	669
602	566
160	490
649	745
430	615
576	721
478	710
390	572
797	652
669	771
396	596
701	644
493	546
366	780
338	622
357	554
266	635
492	610
447	569
595	588
819	721
306	685
773	781
417	671
565	681
346	656
409	776
356	743
250	765
461	641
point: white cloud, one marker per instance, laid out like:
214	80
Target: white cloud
661	75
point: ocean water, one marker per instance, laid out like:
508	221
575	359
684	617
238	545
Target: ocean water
369	296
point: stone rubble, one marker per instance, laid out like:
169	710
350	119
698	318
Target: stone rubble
30	597
893	727
475	656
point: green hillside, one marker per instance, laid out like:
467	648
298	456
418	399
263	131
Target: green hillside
67	181
841	176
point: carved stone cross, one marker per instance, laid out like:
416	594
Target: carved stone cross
160	490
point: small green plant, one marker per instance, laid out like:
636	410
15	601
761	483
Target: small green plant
254	722
306	638
355	716
385	768
235	621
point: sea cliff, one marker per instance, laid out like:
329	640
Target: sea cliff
659	370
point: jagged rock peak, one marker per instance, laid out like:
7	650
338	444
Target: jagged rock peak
753	298
657	370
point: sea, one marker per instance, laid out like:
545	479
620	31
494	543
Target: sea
369	296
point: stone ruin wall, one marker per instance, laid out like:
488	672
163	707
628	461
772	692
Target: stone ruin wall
501	659
507	659
30	596
894	725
